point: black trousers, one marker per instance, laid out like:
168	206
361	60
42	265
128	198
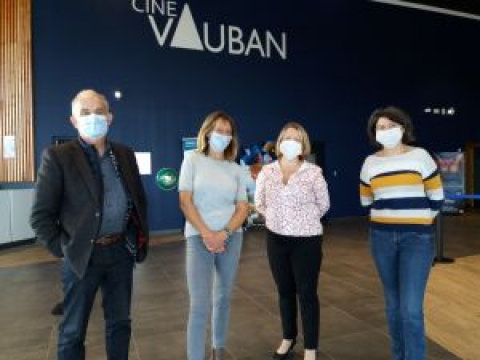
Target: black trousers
295	263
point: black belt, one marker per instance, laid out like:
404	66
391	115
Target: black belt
110	239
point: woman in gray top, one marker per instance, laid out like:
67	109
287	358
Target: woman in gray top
213	199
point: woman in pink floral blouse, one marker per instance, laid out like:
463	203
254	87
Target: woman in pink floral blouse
292	195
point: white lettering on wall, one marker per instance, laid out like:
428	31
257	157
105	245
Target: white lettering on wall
254	43
185	34
235	43
206	39
160	36
152	7
282	50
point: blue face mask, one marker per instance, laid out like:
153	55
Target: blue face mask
389	138
291	149
92	126
219	142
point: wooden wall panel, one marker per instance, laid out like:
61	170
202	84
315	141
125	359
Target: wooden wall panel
16	103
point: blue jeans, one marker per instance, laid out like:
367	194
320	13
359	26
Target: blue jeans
403	261
111	269
210	278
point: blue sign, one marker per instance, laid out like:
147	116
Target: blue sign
189	143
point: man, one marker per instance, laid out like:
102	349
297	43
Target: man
90	209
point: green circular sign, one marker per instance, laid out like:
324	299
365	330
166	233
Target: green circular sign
167	179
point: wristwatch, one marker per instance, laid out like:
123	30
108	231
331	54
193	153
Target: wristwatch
228	231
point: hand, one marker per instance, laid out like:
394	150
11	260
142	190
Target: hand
215	241
220	239
208	238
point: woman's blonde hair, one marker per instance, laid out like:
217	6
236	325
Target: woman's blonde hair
208	125
305	141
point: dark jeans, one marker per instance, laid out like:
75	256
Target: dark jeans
111	269
295	263
403	260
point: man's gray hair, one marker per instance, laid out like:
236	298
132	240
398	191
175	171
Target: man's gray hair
87	94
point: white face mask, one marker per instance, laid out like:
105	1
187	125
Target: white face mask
92	126
291	149
219	142
389	138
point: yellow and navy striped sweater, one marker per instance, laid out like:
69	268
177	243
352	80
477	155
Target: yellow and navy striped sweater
404	191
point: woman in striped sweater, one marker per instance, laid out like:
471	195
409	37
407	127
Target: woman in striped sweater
402	187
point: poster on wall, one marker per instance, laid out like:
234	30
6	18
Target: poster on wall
252	159
189	143
9	147
144	162
451	166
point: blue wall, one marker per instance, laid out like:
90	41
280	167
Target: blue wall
344	59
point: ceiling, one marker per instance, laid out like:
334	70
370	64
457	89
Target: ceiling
462	8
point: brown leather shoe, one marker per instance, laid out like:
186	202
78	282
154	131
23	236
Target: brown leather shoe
57	309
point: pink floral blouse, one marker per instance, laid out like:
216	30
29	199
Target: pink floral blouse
294	209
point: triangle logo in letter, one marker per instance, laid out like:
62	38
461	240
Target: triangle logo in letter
186	35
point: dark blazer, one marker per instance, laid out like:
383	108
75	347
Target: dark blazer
67	210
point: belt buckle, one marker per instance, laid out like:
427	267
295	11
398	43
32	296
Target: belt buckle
109	239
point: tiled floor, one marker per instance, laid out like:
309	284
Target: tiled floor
352	321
